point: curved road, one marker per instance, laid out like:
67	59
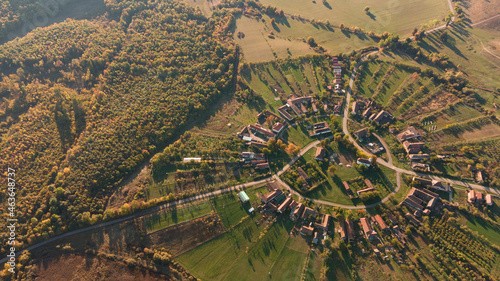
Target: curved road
276	177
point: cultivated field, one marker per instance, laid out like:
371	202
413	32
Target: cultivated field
393	16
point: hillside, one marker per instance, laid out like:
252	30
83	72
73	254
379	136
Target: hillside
85	102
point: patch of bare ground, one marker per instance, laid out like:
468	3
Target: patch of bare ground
87	267
186	236
435	102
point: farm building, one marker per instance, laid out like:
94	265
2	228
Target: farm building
412	219
306	230
284	205
309	212
320	154
381	223
189	159
383	117
471	196
350	230
367	229
278	127
369	189
324	223
418	157
479	198
361	134
270	196
303	174
413	148
408	134
243	197
297	212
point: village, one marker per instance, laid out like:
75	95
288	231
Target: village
315	226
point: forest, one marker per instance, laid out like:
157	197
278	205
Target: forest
83	103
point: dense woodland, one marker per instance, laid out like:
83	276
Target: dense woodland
85	102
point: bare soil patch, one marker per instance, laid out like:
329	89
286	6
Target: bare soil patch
479	10
88	267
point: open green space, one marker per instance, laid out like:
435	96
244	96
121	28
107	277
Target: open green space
396	17
465	48
166	218
230	209
250	250
490	231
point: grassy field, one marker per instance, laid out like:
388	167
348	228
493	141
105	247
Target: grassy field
171	217
465	49
289	38
244	249
492	232
396	17
230	209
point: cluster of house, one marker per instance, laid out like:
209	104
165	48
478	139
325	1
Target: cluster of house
413	145
369	188
258	135
347	232
367	109
297	105
276	200
257	160
475	197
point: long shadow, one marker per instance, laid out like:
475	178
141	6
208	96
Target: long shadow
372	16
327	5
346	33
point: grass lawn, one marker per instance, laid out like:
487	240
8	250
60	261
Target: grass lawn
230	209
396	17
212	260
171	217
